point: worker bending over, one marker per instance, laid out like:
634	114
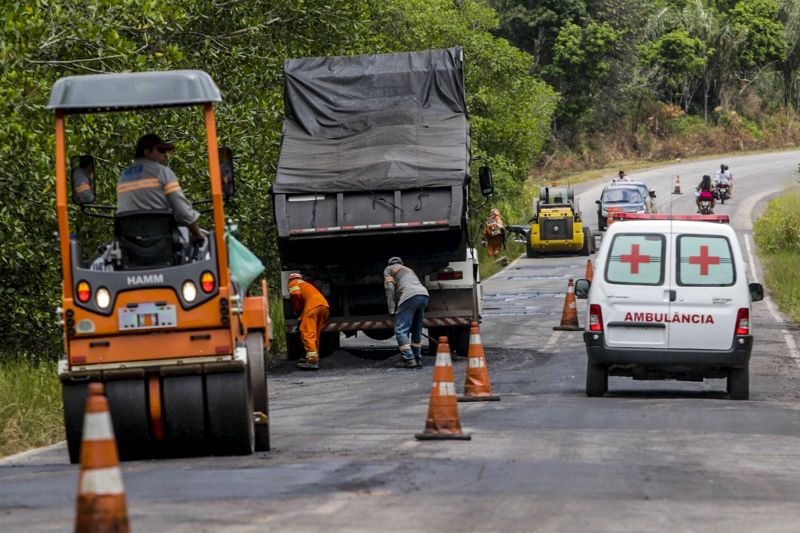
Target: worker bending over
407	299
312	309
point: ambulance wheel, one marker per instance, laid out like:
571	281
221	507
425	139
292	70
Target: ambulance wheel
459	340
329	343
74	397
258	388
127	402
739	383
230	413
587	244
294	347
596	379
184	415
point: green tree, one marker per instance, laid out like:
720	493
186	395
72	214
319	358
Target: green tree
681	60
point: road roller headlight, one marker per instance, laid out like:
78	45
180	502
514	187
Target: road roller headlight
189	291
102	298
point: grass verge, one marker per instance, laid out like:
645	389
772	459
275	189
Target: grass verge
30	406
777	236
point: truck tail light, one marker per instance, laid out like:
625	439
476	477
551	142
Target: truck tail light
207	282
743	322
84	291
595	318
447	275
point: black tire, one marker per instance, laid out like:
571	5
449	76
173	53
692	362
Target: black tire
294	347
74	395
571	194
257	372
739	383
379	334
230	413
130	415
543	195
530	251
596	380
459	340
587	244
184	415
329	343
435	333
722	197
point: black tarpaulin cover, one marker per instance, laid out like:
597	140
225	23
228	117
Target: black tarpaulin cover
374	122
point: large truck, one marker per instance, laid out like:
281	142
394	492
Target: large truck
374	163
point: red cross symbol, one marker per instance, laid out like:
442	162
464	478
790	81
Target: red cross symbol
634	258
704	260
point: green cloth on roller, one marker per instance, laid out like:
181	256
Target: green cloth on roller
244	265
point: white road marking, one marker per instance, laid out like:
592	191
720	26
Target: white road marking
787	336
553	339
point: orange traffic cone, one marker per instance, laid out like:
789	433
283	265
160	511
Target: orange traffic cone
476	386
442	422
569	316
677	189
101	497
589	270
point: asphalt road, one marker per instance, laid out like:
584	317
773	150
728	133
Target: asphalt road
650	456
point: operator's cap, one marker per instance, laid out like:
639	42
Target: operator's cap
395	261
295	275
150	142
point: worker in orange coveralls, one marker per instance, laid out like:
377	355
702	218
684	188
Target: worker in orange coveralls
494	233
313	309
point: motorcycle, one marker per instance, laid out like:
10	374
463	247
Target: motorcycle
723	192
705	207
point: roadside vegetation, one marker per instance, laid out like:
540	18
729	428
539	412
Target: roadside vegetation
777	236
30	405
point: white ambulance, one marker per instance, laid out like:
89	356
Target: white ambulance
669	300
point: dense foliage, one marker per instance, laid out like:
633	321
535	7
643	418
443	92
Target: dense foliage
613	59
242	44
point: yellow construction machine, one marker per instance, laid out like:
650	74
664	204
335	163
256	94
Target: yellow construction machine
557	225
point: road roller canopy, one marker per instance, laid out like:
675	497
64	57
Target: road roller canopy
133	90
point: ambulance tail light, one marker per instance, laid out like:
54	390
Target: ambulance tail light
595	318
743	322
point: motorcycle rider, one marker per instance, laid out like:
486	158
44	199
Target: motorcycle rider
705	192
723	177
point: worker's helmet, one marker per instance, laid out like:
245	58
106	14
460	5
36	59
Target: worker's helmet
395	261
295	275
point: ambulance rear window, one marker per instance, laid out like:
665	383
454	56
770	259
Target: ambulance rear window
636	259
705	260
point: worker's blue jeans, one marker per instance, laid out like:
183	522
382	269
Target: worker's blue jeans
408	325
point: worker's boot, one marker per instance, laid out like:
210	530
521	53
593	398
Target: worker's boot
311	362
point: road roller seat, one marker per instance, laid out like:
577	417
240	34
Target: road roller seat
148	239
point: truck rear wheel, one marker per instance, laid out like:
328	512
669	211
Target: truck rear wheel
329	343
739	383
596	379
294	347
258	389
459	340
230	413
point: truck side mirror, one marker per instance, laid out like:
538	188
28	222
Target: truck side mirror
485	179
582	287
226	172
756	292
82	181
597	202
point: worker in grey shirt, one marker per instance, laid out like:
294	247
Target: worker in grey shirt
149	184
407	299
